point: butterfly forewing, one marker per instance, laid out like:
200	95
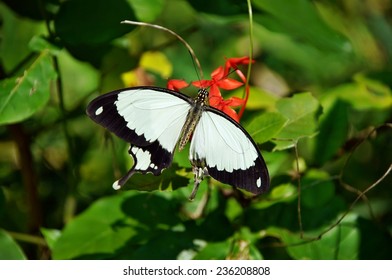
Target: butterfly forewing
149	118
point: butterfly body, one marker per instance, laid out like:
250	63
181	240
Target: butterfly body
156	120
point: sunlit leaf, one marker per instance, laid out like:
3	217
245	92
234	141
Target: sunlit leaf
21	97
214	251
301	112
266	126
51	236
363	94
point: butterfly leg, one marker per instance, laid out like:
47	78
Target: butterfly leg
199	173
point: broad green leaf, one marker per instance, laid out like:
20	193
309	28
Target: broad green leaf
341	243
40	44
16	32
88	35
300	19
266	126
51	236
334	125
101	230
363	94
21	97
9	249
93	28
301	112
85	79
147	11
113	225
301	46
258	98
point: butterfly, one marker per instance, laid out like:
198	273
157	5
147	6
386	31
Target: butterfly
155	120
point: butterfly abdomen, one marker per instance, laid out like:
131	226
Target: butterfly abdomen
192	120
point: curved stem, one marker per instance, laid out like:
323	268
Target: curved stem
246	91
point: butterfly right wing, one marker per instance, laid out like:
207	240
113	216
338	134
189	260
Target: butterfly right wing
149	118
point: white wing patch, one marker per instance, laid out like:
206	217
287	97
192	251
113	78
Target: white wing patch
221	144
154	114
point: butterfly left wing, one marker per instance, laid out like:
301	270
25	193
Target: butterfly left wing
226	152
149	118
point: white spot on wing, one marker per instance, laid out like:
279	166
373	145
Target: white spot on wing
258	183
99	111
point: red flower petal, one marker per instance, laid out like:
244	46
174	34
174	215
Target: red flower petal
176	84
203	83
235	61
234	101
229	84
231	113
218	74
214	91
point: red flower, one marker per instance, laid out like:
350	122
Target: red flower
220	80
176	84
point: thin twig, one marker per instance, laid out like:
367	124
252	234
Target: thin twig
246	90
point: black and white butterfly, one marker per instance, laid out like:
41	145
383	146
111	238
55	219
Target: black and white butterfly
156	120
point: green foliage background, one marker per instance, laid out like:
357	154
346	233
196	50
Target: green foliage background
320	108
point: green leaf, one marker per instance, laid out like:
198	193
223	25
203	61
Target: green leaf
100	230
300	19
16	32
334	125
301	112
51	236
266	126
147	11
113	225
40	44
21	97
363	94
96	21
214	251
317	189
341	243
9	249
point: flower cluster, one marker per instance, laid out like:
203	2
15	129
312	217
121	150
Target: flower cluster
220	80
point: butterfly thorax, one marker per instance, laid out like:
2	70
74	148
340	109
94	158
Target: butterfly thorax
193	118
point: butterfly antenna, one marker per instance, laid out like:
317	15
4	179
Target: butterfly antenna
192	53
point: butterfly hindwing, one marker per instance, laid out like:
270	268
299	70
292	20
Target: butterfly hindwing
228	152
